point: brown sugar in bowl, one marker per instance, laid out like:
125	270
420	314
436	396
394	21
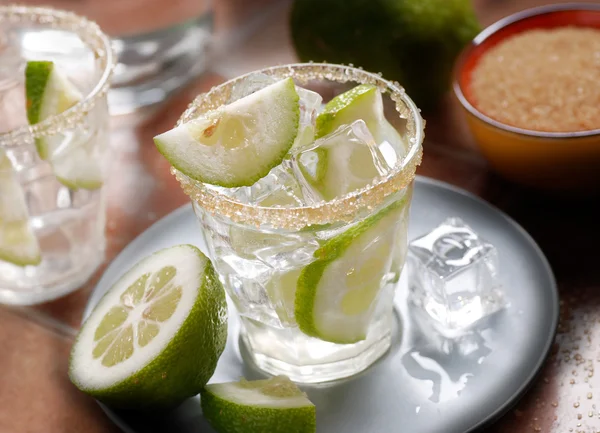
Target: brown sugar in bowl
536	125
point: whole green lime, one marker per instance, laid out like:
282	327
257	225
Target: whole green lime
414	42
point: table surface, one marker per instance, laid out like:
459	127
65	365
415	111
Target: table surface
35	392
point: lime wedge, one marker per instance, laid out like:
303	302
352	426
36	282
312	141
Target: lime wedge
344	161
336	294
49	92
18	245
362	102
155	337
275	405
239	143
78	169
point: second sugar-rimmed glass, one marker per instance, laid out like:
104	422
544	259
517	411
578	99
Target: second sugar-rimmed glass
52	202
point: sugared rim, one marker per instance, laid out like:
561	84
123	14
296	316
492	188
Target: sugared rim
492	30
339	209
91	34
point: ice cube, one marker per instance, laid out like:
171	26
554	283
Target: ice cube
341	162
277	189
13	113
453	276
310	103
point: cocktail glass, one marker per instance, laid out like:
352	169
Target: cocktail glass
260	251
63	220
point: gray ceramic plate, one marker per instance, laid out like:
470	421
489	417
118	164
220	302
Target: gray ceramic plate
425	383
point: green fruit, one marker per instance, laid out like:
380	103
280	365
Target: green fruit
155	338
239	143
336	293
18	244
414	42
275	405
49	92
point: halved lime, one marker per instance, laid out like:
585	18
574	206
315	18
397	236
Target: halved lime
336	294
49	92
275	405
155	337
18	244
239	143
362	102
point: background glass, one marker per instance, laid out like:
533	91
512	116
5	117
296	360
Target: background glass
161	45
68	221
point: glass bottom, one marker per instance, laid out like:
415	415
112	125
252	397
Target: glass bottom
309	360
43	291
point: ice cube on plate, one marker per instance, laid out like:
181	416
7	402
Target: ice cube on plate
341	162
453	276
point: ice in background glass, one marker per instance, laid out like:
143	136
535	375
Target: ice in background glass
260	251
68	222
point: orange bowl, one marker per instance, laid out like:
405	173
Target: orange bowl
548	160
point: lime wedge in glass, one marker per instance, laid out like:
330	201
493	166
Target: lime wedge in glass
239	143
363	102
18	244
336	294
49	92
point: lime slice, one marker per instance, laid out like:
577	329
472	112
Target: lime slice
336	294
362	102
275	405
155	337
18	245
239	143
49	92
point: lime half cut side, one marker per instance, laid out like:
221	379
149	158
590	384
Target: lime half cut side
274	405
49	92
336	294
154	339
18	244
239	143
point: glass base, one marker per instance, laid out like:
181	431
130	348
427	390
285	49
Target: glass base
308	360
43	292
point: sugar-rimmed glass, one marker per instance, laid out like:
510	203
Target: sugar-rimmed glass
277	241
68	221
